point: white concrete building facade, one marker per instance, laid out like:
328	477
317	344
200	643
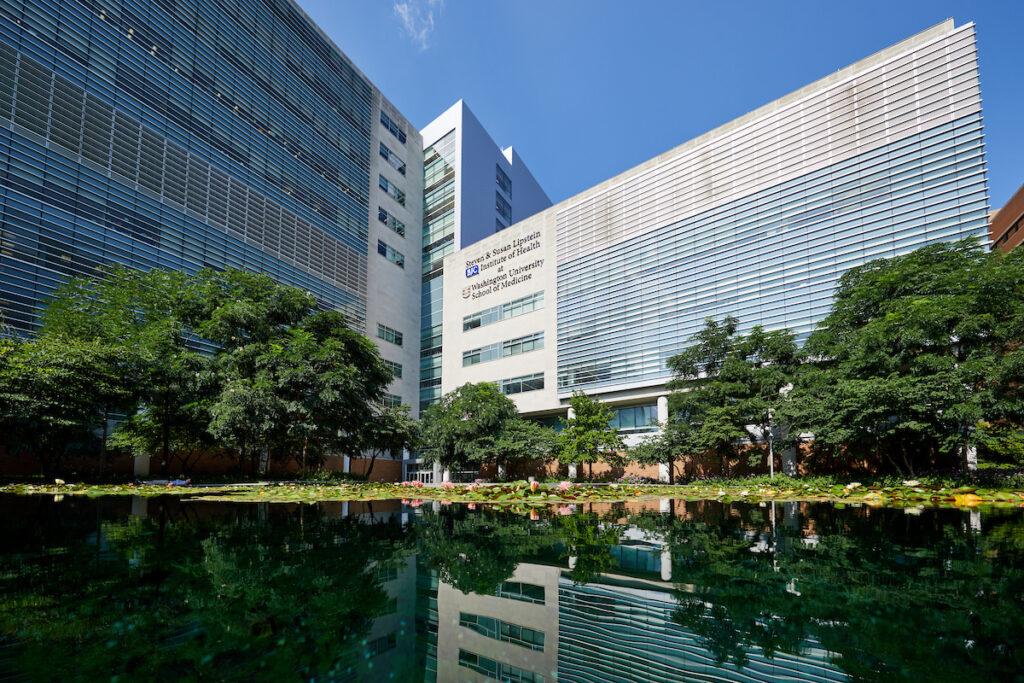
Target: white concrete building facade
758	219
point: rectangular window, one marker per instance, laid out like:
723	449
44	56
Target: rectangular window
390	188
392	159
519	385
391	401
387	219
498	225
635	419
395	368
381	645
503	630
499	671
512	347
393	127
390	253
526	304
503	181
524	592
387	334
503	207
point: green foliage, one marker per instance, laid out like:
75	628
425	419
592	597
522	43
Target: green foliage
51	395
460	427
726	383
916	352
517	441
209	361
588	436
389	430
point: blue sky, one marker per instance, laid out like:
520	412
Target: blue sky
585	89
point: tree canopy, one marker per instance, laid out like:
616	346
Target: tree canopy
588	436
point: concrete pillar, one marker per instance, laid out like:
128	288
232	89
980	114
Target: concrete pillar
665	505
791	514
501	472
975	516
666	564
572	468
663	468
572	562
789	462
141	465
344	509
446	475
437	473
971	459
346	465
140	506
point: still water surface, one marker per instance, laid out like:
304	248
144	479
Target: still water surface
170	589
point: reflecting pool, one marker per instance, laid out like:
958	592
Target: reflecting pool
173	588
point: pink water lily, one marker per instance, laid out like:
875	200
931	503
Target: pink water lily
565	486
534	515
534	486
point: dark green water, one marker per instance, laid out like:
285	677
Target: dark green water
187	590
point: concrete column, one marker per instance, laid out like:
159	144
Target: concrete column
971	459
346	466
789	462
446	475
140	506
501	472
437	473
141	465
344	509
572	562
665	505
663	468
975	517
666	564
572	468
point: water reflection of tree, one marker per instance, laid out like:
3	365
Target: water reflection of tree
588	545
476	551
274	598
893	596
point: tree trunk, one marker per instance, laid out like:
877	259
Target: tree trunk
369	469
305	445
166	438
103	443
590	466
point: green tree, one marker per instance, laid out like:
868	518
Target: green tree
920	356
142	318
305	393
52	394
517	442
457	429
665	446
389	431
588	435
727	387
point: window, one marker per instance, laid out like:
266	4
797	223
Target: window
498	225
512	347
390	253
503	181
387	334
497	670
392	159
395	368
391	401
393	127
503	207
526	304
390	188
524	592
635	419
387	219
519	385
381	645
503	631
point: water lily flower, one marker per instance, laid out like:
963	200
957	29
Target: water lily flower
416	503
533	515
447	486
534	485
565	510
472	506
565	486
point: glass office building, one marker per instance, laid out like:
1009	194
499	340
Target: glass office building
180	134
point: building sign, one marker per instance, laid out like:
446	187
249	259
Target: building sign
506	265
